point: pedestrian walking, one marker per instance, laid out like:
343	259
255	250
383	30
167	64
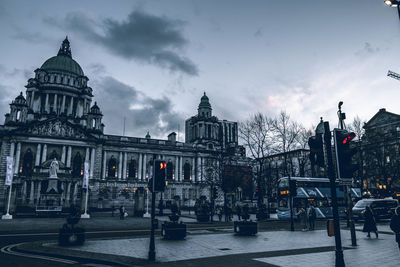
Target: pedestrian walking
312	215
219	211
369	222
395	224
121	212
238	211
303	217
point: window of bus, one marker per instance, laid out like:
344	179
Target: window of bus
283	203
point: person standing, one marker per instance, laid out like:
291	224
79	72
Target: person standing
311	217
121	212
395	224
238	211
303	217
369	222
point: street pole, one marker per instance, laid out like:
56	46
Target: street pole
152	251
339	261
147	214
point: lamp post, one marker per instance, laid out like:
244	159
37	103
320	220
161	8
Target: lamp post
395	4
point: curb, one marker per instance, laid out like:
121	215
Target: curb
38	248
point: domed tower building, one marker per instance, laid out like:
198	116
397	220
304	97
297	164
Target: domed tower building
54	132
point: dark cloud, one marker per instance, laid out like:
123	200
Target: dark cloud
31	37
368	49
259	33
144	37
143	113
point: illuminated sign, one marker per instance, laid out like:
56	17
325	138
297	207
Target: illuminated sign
285	192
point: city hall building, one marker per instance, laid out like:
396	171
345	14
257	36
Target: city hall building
56	120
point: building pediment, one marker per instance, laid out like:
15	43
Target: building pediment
56	128
381	118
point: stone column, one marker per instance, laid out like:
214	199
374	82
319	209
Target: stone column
68	193
71	105
24	193
144	166
193	174
17	156
38	191
140	167
55	103
124	167
87	154
32	99
75	194
180	168
64	151
63	105
44	153
120	166
176	169
37	159
104	164
46	105
31	193
69	157
199	168
92	163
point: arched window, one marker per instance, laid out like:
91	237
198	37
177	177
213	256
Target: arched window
186	172
112	167
27	163
77	165
170	168
132	169
18	115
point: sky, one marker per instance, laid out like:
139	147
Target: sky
151	61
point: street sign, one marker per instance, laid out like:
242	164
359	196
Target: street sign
346	181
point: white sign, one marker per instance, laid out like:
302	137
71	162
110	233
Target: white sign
9	173
85	183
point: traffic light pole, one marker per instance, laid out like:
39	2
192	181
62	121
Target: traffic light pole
347	192
152	250
339	260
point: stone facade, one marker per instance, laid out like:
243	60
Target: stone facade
380	154
57	120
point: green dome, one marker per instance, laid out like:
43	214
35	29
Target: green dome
63	63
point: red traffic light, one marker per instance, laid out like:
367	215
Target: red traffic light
349	137
163	165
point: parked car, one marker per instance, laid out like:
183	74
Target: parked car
382	208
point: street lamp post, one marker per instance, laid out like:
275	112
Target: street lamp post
395	4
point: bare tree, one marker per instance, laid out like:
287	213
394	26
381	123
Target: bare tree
357	127
257	136
302	142
286	133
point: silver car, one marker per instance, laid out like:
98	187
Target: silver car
382	208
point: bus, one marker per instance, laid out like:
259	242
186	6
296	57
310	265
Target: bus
314	191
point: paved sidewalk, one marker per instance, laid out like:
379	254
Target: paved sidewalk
370	252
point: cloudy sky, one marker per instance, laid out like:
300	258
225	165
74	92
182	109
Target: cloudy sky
151	61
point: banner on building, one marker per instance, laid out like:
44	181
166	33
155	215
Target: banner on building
9	173
85	183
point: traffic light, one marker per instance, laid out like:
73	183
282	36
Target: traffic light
316	150
215	193
345	153
159	175
292	188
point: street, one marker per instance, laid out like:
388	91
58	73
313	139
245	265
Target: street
215	244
